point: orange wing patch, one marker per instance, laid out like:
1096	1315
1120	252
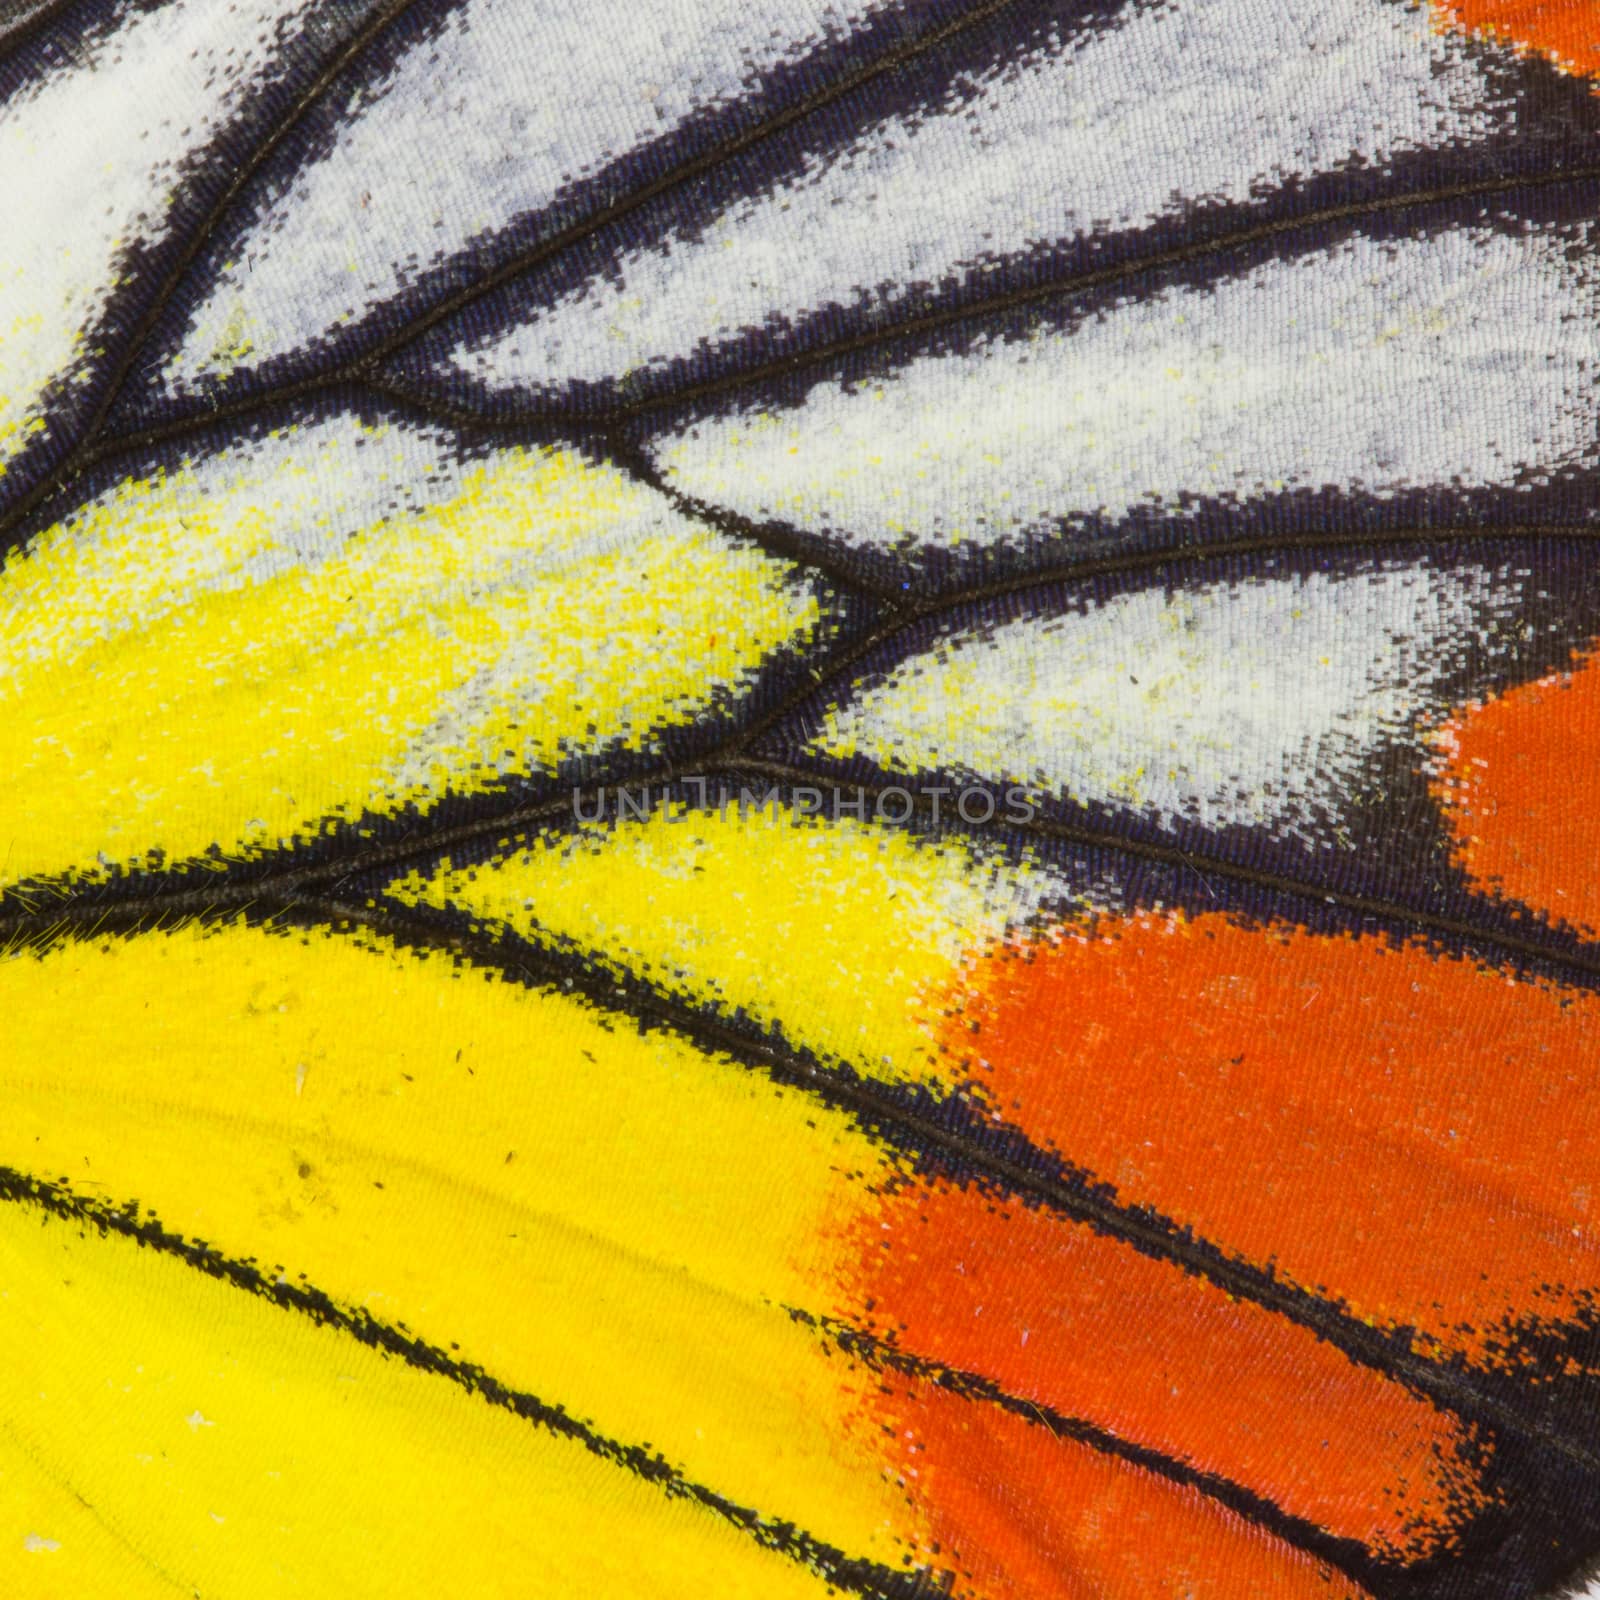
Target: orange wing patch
1066	1318
1507	787
1408	1135
1021	1513
1566	32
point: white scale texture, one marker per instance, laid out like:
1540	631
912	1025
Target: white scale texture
118	123
488	121
1260	703
1460	358
1112	129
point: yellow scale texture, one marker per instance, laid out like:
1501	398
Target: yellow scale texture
513	1177
151	709
872	922
167	1434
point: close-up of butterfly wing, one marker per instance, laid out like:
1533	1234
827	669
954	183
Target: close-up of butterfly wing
797	798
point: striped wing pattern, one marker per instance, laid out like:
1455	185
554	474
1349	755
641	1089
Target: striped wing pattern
798	798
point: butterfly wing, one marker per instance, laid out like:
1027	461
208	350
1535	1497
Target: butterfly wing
789	800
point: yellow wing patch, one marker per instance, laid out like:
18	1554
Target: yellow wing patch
234	1449
872	921
512	1176
216	675
54	1545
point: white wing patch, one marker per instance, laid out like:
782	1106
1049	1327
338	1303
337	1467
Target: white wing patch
1257	703
1184	100
92	156
1463	358
1578	1589
481	124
